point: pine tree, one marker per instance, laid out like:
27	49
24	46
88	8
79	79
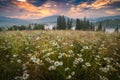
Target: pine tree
70	24
84	24
58	22
63	23
87	25
117	29
77	24
0	29
91	27
99	27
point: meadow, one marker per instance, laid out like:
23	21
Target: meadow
59	55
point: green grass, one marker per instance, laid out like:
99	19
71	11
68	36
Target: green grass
59	55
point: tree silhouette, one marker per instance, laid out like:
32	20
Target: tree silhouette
61	23
117	29
99	27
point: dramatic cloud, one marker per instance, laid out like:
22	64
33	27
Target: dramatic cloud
110	12
99	4
95	5
26	6
115	0
98	8
29	9
41	11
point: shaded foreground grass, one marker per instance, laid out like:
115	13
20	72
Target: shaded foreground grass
59	55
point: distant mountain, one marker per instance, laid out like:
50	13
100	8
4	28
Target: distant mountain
110	23
49	19
106	18
6	21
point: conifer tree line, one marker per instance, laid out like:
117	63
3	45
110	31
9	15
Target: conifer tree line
23	27
80	24
63	24
84	24
66	24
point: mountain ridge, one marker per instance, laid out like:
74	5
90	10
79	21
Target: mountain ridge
7	21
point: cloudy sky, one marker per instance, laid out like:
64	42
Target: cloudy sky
34	9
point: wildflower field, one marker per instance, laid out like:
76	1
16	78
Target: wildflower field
59	55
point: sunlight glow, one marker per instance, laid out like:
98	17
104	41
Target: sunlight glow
22	0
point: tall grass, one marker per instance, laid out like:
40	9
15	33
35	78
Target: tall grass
59	55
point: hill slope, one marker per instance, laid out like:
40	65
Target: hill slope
106	18
6	21
110	23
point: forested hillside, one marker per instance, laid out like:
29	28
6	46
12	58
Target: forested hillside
109	23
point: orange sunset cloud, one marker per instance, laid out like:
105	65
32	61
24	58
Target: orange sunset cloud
99	4
95	5
42	11
110	12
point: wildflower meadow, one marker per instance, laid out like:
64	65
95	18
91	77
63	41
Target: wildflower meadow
59	55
